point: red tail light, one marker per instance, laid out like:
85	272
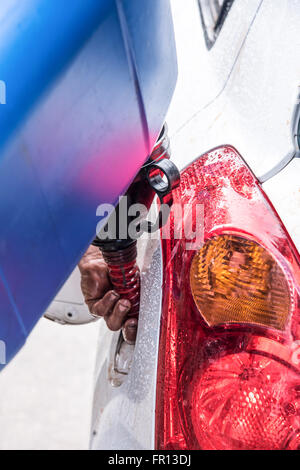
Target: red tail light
228	369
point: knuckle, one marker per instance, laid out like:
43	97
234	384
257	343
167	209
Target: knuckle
83	266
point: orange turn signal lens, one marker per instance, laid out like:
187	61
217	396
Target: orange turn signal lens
235	280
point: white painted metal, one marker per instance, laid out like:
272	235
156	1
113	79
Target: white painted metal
123	417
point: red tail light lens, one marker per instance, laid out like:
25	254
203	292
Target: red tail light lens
228	369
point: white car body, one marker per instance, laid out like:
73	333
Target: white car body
241	92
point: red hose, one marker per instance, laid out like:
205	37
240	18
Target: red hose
125	275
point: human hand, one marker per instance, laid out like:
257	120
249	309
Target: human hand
101	300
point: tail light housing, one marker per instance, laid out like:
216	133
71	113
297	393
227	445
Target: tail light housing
228	367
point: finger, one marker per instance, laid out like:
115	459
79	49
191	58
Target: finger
130	330
104	306
116	319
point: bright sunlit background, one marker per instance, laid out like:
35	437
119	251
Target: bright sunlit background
46	391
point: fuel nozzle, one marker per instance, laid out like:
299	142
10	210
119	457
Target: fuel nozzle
117	242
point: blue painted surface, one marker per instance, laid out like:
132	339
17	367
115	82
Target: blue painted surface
88	84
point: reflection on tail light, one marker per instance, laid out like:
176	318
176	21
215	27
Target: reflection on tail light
228	368
245	401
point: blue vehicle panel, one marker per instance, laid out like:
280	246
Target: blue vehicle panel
87	87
